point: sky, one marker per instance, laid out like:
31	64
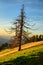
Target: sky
10	10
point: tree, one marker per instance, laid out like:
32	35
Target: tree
36	38
21	29
40	37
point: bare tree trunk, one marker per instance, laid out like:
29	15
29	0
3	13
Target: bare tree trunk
21	27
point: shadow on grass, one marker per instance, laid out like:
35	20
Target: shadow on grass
26	60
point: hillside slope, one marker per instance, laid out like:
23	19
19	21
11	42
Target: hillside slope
29	56
28	45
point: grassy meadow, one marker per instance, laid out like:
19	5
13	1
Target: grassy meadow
29	56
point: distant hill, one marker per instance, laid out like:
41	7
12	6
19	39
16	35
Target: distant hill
4	39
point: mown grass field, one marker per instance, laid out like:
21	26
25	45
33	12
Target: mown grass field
29	56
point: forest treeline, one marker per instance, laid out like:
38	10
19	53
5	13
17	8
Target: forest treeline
34	38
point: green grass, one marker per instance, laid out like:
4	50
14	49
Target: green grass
30	56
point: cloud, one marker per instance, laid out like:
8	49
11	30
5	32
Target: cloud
17	1
14	2
11	1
